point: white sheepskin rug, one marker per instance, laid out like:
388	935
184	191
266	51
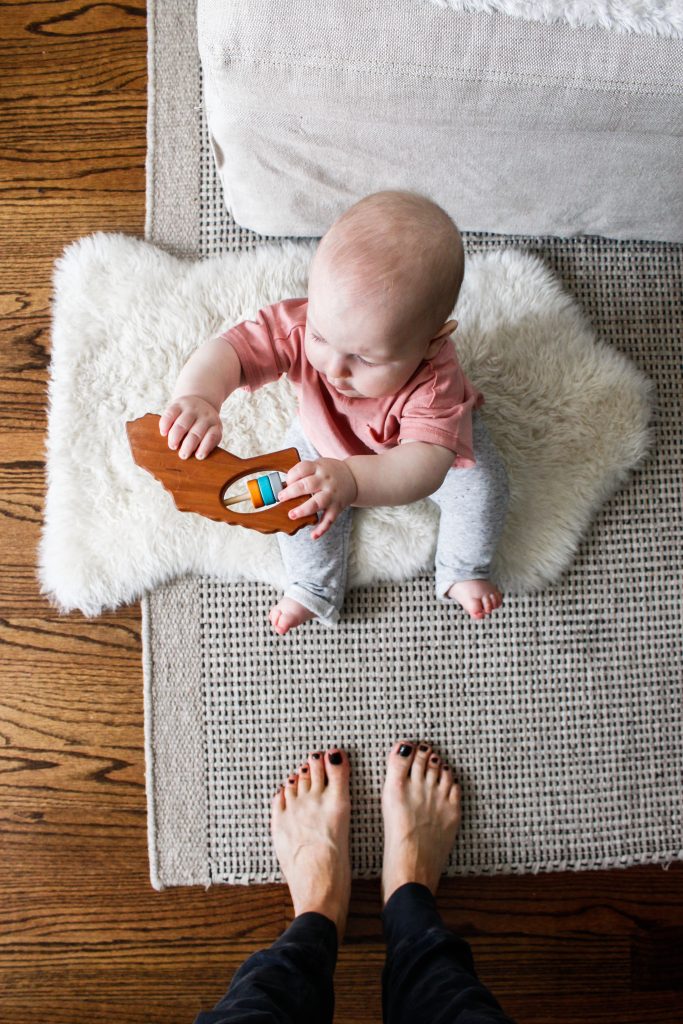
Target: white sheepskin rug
645	17
569	414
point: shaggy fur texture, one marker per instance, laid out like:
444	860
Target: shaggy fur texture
569	414
647	17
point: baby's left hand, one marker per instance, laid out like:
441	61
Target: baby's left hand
332	487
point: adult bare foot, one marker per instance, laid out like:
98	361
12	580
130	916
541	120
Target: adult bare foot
478	597
421	809
287	614
310	824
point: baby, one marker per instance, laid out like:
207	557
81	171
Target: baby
386	416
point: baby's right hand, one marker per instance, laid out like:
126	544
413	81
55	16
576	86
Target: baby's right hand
192	423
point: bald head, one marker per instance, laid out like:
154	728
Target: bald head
398	251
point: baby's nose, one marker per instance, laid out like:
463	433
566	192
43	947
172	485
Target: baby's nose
337	366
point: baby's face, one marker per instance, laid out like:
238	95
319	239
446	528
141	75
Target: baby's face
359	349
358	366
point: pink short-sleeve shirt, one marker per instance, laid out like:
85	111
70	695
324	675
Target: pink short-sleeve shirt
435	405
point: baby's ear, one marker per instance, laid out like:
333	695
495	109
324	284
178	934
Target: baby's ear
437	341
448	328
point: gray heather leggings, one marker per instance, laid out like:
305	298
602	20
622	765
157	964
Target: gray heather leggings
473	505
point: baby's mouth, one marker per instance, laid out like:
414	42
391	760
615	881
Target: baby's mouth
341	387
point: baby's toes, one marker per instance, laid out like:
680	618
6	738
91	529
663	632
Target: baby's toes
278	620
491	601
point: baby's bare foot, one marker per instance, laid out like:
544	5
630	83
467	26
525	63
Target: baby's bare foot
478	597
421	809
287	614
310	826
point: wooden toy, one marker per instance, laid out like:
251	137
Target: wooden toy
202	485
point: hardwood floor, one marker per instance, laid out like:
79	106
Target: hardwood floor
83	937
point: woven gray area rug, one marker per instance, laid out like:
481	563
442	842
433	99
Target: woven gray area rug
562	714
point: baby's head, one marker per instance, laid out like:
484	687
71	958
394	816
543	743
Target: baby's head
382	285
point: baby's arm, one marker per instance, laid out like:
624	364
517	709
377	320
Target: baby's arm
192	419
407	473
412	470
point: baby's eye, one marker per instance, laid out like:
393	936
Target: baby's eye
316	337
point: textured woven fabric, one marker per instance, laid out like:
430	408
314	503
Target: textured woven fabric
511	125
561	714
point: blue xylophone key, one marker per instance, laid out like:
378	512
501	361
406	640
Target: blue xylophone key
266	489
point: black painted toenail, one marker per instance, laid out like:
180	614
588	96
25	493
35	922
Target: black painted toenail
336	758
405	749
291	782
434	759
317	757
423	747
305	768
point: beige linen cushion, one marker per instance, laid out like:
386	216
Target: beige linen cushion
512	126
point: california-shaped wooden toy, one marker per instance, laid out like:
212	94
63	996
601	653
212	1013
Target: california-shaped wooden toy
219	484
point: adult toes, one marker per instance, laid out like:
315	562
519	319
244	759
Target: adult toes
400	759
278	802
316	767
422	755
432	771
455	795
304	783
446	779
337	767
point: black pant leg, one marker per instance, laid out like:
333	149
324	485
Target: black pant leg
429	973
289	983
